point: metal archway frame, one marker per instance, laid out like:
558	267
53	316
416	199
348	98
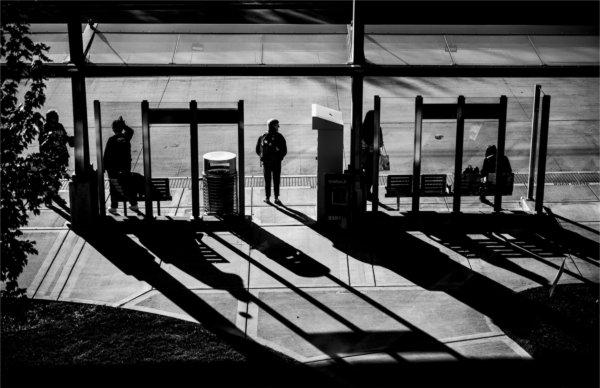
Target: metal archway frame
192	116
461	112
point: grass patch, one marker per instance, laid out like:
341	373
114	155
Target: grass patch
572	332
59	343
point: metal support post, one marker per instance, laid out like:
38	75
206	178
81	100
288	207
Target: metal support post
99	162
241	164
417	153
376	152
82	189
147	159
458	157
533	145
358	35
82	154
500	153
194	160
541	172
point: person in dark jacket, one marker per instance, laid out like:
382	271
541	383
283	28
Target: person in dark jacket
53	141
272	148
117	163
489	165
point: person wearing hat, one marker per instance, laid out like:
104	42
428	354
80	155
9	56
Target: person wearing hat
117	163
271	148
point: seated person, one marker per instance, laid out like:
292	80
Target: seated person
489	165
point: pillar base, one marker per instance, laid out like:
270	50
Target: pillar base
83	195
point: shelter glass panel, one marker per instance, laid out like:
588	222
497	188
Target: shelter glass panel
406	49
492	50
133	48
560	50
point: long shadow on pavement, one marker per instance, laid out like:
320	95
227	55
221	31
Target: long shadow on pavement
175	243
386	242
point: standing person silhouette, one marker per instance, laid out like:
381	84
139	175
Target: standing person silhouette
271	148
53	141
117	163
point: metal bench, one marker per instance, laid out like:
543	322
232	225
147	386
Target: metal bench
434	185
398	186
160	192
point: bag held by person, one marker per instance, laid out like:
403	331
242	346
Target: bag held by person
268	148
384	160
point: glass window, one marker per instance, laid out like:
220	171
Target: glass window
406	50
492	50
556	50
132	48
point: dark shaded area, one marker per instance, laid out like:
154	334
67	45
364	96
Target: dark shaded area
576	302
67	344
317	12
386	241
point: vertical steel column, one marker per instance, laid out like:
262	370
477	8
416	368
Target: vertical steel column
376	152
541	173
147	159
357	59
533	145
458	157
80	125
99	162
358	34
241	161
194	161
417	153
500	154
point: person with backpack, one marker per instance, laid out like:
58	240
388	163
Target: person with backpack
117	163
271	148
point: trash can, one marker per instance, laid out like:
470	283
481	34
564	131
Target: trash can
220	183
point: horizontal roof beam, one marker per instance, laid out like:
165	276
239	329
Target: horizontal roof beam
58	70
419	12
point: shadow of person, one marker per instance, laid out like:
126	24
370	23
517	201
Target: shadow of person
279	251
295	214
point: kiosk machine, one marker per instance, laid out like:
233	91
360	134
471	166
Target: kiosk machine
330	151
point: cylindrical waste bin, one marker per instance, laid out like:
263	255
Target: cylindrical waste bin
220	183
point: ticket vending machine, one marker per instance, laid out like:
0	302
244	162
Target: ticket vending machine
330	151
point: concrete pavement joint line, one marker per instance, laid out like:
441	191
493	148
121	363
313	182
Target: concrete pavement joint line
47	263
43	228
76	270
66	272
593	192
151	310
133	297
472	337
61	257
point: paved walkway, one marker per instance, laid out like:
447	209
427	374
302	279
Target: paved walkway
293	289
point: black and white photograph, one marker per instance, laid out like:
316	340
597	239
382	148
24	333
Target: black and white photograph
300	194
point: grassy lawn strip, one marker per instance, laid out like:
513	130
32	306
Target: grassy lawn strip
576	304
78	341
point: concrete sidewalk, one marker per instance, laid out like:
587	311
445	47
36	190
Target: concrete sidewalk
293	289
